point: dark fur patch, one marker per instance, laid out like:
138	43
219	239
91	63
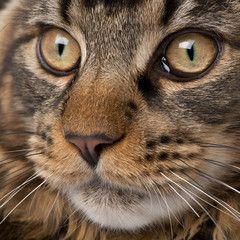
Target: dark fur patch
133	106
223	4
176	155
148	90
47	138
3	3
129	115
164	139
64	6
149	157
205	6
162	156
151	144
206	231
112	3
179	141
170	9
211	103
8	56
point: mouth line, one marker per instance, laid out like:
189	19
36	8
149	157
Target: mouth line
97	184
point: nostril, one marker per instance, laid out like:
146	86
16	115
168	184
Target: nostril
90	146
98	149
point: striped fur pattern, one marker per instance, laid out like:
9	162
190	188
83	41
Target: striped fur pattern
168	152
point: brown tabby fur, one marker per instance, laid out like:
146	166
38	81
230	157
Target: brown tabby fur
195	123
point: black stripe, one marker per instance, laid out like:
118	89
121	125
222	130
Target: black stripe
3	3
64	6
26	85
212	102
112	3
205	6
235	44
149	90
206	3
7	63
170	8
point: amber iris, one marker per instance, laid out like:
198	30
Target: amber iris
59	51
190	54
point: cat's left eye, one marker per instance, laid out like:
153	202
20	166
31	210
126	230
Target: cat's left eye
189	55
58	52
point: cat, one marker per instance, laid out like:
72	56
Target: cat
119	119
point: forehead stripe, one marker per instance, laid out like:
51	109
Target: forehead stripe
64	6
170	8
3	3
112	3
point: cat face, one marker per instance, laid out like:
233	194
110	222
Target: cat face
133	105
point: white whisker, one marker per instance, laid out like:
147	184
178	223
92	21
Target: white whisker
206	211
24	199
164	199
230	215
234	166
226	185
180	194
168	210
214	199
52	206
25	182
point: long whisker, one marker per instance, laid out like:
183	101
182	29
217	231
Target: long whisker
15	133
9	174
206	144
52	206
206	211
213	179
224	184
211	197
24	199
15	178
180	194
202	188
14	156
25	182
148	192
233	215
24	154
168	210
164	199
21	150
13	143
221	164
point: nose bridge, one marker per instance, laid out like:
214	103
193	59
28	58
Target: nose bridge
96	106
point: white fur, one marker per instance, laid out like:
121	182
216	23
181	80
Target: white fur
115	213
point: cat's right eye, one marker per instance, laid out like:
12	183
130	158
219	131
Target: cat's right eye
58	52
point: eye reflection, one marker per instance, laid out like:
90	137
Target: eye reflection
187	44
164	63
61	43
190	49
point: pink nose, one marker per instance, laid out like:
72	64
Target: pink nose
90	146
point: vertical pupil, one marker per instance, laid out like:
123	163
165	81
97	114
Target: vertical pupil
190	52
61	49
